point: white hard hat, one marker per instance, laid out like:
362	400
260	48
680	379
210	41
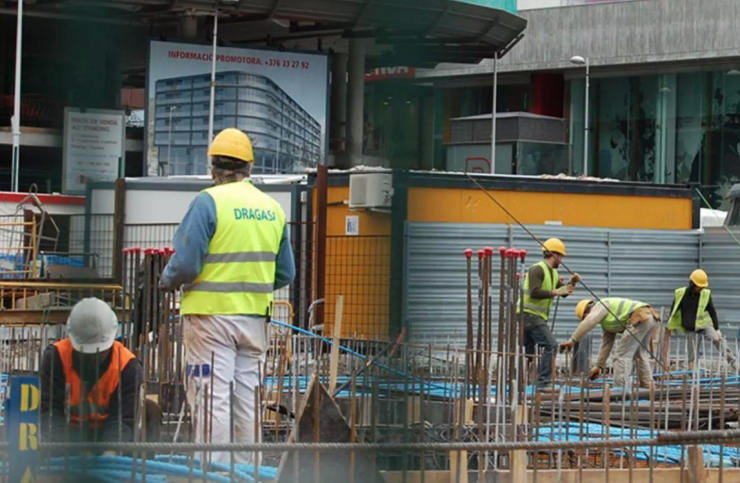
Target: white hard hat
92	326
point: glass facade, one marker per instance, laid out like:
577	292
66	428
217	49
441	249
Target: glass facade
668	128
285	137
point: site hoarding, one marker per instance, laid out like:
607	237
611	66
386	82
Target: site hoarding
279	98
94	147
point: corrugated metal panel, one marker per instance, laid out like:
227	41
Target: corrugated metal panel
720	258
640	264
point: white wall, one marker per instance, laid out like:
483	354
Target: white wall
532	4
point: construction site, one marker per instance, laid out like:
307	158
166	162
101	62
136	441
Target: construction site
408	343
345	393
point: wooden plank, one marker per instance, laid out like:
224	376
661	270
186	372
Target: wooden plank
336	337
56	315
641	475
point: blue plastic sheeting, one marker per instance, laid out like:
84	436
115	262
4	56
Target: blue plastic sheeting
118	469
15	267
660	454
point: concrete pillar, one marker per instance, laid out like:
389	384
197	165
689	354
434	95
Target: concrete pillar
338	128
188	27
356	99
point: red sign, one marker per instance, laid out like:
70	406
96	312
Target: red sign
390	73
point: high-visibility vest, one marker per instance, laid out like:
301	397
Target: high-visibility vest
619	313
238	274
96	403
703	319
539	307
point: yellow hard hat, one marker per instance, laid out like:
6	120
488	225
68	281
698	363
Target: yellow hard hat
581	308
554	245
699	278
232	143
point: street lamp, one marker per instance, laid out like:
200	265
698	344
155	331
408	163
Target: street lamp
493	116
169	140
578	60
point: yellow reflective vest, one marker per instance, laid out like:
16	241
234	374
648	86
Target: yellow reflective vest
539	307
703	319
238	274
620	310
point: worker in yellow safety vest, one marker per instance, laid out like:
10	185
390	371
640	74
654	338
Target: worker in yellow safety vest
635	320
693	314
231	253
541	285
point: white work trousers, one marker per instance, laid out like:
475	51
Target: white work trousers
634	344
237	347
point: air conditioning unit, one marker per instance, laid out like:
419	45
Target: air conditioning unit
370	190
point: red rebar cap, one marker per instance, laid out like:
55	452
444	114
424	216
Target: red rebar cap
169	250
489	251
481	253
512	253
149	251
522	254
502	251
468	253
136	249
518	276
162	251
126	251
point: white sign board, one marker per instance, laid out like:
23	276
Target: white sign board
94	146
352	226
278	97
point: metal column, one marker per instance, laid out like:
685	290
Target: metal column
338	119
356	99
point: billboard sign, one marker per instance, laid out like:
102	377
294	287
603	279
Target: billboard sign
94	147
279	98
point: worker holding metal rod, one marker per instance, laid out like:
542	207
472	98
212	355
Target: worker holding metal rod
616	316
231	253
541	285
693	314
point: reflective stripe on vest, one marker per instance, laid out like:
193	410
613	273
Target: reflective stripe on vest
238	273
703	319
95	406
539	307
622	309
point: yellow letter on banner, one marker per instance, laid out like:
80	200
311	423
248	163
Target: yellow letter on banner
29	398
28	476
29	439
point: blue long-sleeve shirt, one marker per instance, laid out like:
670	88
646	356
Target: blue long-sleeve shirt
191	247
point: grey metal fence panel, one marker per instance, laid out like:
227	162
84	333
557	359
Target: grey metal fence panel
642	264
720	258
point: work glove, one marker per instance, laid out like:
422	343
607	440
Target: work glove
594	373
567	346
575	278
110	453
718	337
564	290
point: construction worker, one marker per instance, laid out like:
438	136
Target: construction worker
89	381
231	252
693	313
541	285
634	320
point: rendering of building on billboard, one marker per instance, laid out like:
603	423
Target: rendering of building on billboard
278	98
284	136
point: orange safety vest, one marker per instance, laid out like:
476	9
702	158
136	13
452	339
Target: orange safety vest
98	400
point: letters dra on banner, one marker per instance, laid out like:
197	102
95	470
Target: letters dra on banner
23	428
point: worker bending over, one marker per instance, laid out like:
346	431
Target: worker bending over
693	313
634	320
541	285
231	252
89	381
